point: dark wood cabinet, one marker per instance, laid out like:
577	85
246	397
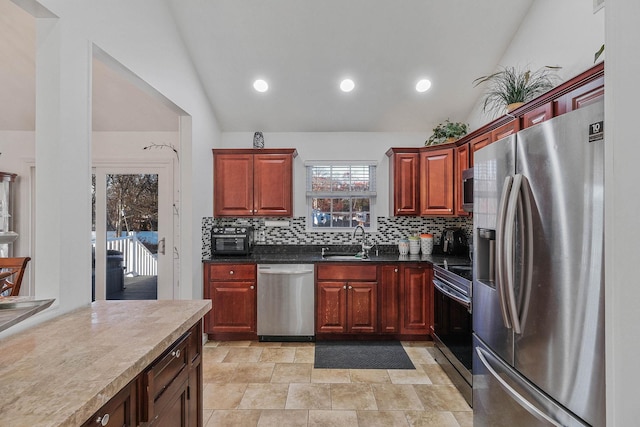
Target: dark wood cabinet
168	393
505	130
477	143
253	182
415	299
537	115
436	182
232	291
346	299
389	292
119	411
403	172
580	96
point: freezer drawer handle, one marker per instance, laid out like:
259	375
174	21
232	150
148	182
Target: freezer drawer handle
516	396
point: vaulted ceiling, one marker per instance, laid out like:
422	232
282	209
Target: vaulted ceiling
303	49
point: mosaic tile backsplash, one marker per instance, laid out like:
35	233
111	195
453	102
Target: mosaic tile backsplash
390	229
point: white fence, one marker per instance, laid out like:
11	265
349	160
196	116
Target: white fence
138	260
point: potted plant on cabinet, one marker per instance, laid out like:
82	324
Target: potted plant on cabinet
511	87
447	132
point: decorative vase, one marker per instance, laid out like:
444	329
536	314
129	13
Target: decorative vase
258	140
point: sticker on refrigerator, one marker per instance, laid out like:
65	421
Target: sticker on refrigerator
596	131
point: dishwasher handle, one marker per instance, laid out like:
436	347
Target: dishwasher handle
285	272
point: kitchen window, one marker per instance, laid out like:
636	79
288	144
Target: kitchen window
340	195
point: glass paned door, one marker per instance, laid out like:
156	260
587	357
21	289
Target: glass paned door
130	235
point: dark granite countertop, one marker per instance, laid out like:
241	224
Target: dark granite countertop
311	254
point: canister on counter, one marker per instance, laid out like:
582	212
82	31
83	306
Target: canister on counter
426	243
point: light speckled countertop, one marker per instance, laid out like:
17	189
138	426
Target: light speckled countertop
58	373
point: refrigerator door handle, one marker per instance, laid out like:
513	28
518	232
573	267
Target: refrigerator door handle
509	252
500	260
521	400
525	212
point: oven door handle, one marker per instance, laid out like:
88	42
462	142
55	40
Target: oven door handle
442	287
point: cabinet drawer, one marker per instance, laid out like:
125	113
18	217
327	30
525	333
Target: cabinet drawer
228	272
347	272
158	378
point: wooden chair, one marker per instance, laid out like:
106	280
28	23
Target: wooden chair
11	273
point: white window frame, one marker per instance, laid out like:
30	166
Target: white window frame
372	194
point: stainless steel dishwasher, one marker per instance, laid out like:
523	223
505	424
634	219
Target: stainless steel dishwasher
286	302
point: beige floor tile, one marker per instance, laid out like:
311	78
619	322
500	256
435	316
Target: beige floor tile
431	419
210	344
465	419
306	344
420	355
382	419
321	418
214	354
396	397
441	398
243	355
265	344
235	343
253	373
223	396
291	373
352	396
436	374
417	344
409	376
281	418
330	376
206	414
305	355
217	372
369	376
264	396
278	355
309	396
225	418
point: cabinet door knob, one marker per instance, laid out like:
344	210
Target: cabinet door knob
350	287
344	287
103	420
395	270
176	353
251	287
231	272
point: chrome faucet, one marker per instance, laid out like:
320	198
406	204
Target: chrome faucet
365	248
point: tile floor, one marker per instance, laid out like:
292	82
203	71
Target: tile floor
248	383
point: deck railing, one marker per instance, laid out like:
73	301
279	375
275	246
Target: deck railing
138	260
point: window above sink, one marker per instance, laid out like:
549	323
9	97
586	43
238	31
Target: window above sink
340	195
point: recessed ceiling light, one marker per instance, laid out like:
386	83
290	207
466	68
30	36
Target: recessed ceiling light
423	85
261	85
347	85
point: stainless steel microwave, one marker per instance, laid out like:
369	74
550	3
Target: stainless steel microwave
467	190
231	240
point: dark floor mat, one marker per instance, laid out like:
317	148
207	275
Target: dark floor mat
361	355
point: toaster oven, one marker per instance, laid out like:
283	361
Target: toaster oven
231	240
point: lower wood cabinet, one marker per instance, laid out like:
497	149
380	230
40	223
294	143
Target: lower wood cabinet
415	299
346	299
389	292
232	291
119	411
167	393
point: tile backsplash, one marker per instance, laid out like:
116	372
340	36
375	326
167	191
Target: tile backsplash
390	229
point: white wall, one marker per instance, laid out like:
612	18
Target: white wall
332	146
559	33
142	36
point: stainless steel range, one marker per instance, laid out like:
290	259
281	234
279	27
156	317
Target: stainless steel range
452	333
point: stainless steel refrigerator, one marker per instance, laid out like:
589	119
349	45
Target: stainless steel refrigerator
538	309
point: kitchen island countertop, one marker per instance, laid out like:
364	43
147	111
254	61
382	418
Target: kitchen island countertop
60	372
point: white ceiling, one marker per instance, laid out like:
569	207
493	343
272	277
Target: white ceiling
303	48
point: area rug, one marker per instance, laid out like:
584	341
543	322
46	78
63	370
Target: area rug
361	355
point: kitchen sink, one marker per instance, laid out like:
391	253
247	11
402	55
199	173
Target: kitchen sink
344	257
13	312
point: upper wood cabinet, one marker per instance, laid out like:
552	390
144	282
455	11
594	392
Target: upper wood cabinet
436	182
253	182
403	172
537	115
